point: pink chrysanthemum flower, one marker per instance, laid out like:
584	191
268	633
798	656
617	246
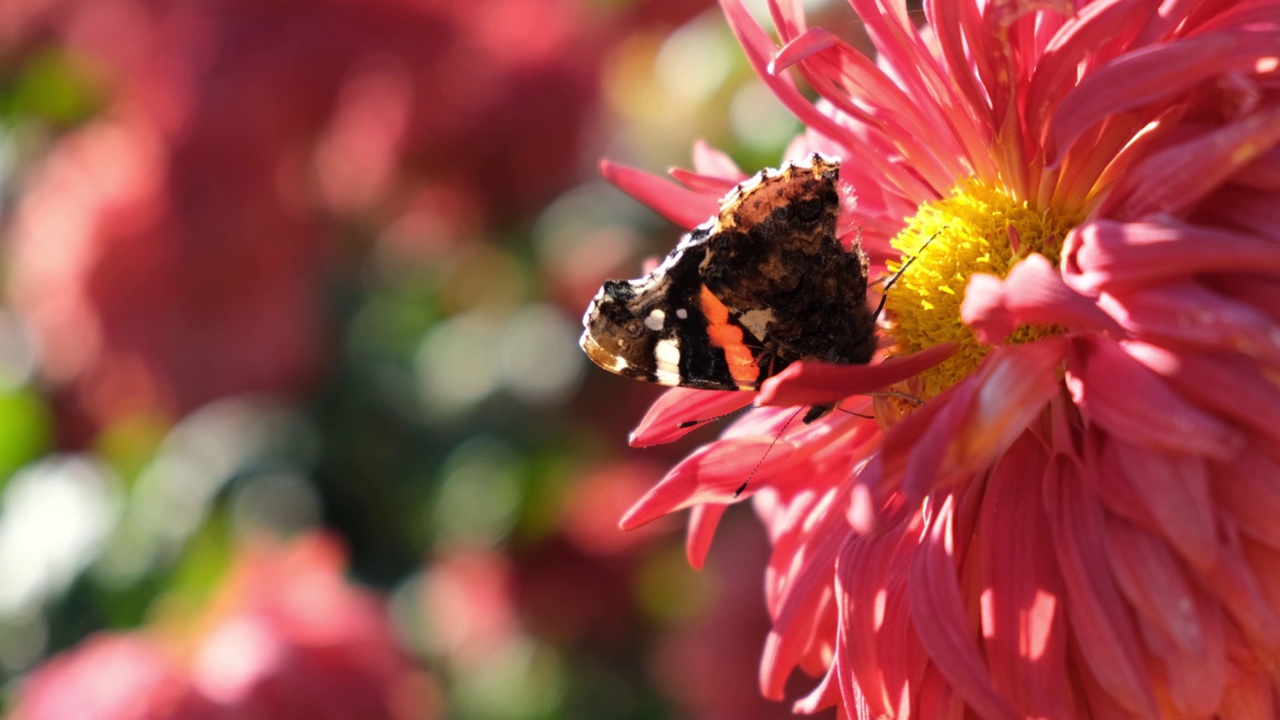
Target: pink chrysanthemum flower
1068	503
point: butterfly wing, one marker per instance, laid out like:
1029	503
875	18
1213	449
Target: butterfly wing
668	328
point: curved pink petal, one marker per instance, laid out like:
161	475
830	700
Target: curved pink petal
1100	621
989	410
1243	208
1024	624
1248	696
825	695
1083	38
684	207
1128	400
703	184
937	609
1187	313
1192	685
1234	583
853	84
814	383
1234	387
712	474
713	162
1248	490
759	49
910	61
703	520
881	659
680	411
1169	494
1157	587
1104	254
1177	178
1033	293
1143	77
804	602
1261	173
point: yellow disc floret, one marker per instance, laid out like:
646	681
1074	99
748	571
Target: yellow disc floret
979	229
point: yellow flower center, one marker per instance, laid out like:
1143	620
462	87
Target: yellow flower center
979	229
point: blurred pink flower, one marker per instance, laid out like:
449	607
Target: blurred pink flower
284	637
288	637
113	677
707	662
1077	518
468	601
175	250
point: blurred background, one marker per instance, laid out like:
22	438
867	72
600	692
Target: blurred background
293	421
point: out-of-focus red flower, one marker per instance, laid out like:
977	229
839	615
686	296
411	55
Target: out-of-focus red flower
1065	504
594	502
111	677
285	637
708	663
468	599
174	251
288	637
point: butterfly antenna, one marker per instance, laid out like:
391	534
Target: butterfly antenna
703	421
884	294
760	462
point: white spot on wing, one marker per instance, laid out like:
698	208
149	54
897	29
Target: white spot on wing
655	320
667	354
756	321
682	314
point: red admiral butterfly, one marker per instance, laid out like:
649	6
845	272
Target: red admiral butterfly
761	285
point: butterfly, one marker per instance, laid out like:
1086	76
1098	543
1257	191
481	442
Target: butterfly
763	284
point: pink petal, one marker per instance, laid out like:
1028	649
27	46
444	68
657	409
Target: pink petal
1105	254
1248	490
807	597
1261	173
880	657
711	474
860	90
703	184
680	411
1024	622
1169	495
1159	591
911	62
681	206
1033	293
814	383
1126	399
1233	583
1177	178
1100	621
1189	314
1242	209
713	162
937	609
759	49
1182	630
989	410
825	695
1248	696
703	520
1149	75
1084	38
1232	386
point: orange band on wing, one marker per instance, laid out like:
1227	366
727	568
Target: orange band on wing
728	337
